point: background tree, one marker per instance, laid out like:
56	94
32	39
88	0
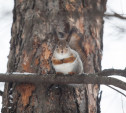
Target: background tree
32	46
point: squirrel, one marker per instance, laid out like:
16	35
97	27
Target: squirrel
65	60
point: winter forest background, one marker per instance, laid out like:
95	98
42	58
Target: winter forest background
114	51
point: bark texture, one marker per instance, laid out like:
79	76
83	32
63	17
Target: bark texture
31	49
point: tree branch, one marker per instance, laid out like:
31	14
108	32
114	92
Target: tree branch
117	90
98	78
110	72
120	16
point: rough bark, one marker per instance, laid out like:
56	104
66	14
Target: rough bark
31	49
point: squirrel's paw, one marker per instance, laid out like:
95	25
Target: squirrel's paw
59	73
71	73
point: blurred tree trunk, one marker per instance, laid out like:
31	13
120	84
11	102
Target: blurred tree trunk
31	49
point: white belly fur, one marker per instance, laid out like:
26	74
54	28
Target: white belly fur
69	67
65	68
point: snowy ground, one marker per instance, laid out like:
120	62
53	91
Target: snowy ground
114	54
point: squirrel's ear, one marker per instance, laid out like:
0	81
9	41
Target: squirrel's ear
55	35
65	36
72	31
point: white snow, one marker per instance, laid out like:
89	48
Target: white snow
6	7
25	73
114	54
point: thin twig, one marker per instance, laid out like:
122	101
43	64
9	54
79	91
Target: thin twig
115	15
117	90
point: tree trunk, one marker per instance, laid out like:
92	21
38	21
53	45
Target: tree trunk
32	46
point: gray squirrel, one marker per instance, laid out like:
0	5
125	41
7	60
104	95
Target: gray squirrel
65	60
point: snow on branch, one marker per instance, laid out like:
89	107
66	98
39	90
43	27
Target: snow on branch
97	78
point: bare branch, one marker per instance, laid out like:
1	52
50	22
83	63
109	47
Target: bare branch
96	13
120	16
110	72
100	78
117	90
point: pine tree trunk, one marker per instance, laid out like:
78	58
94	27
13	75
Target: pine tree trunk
32	46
